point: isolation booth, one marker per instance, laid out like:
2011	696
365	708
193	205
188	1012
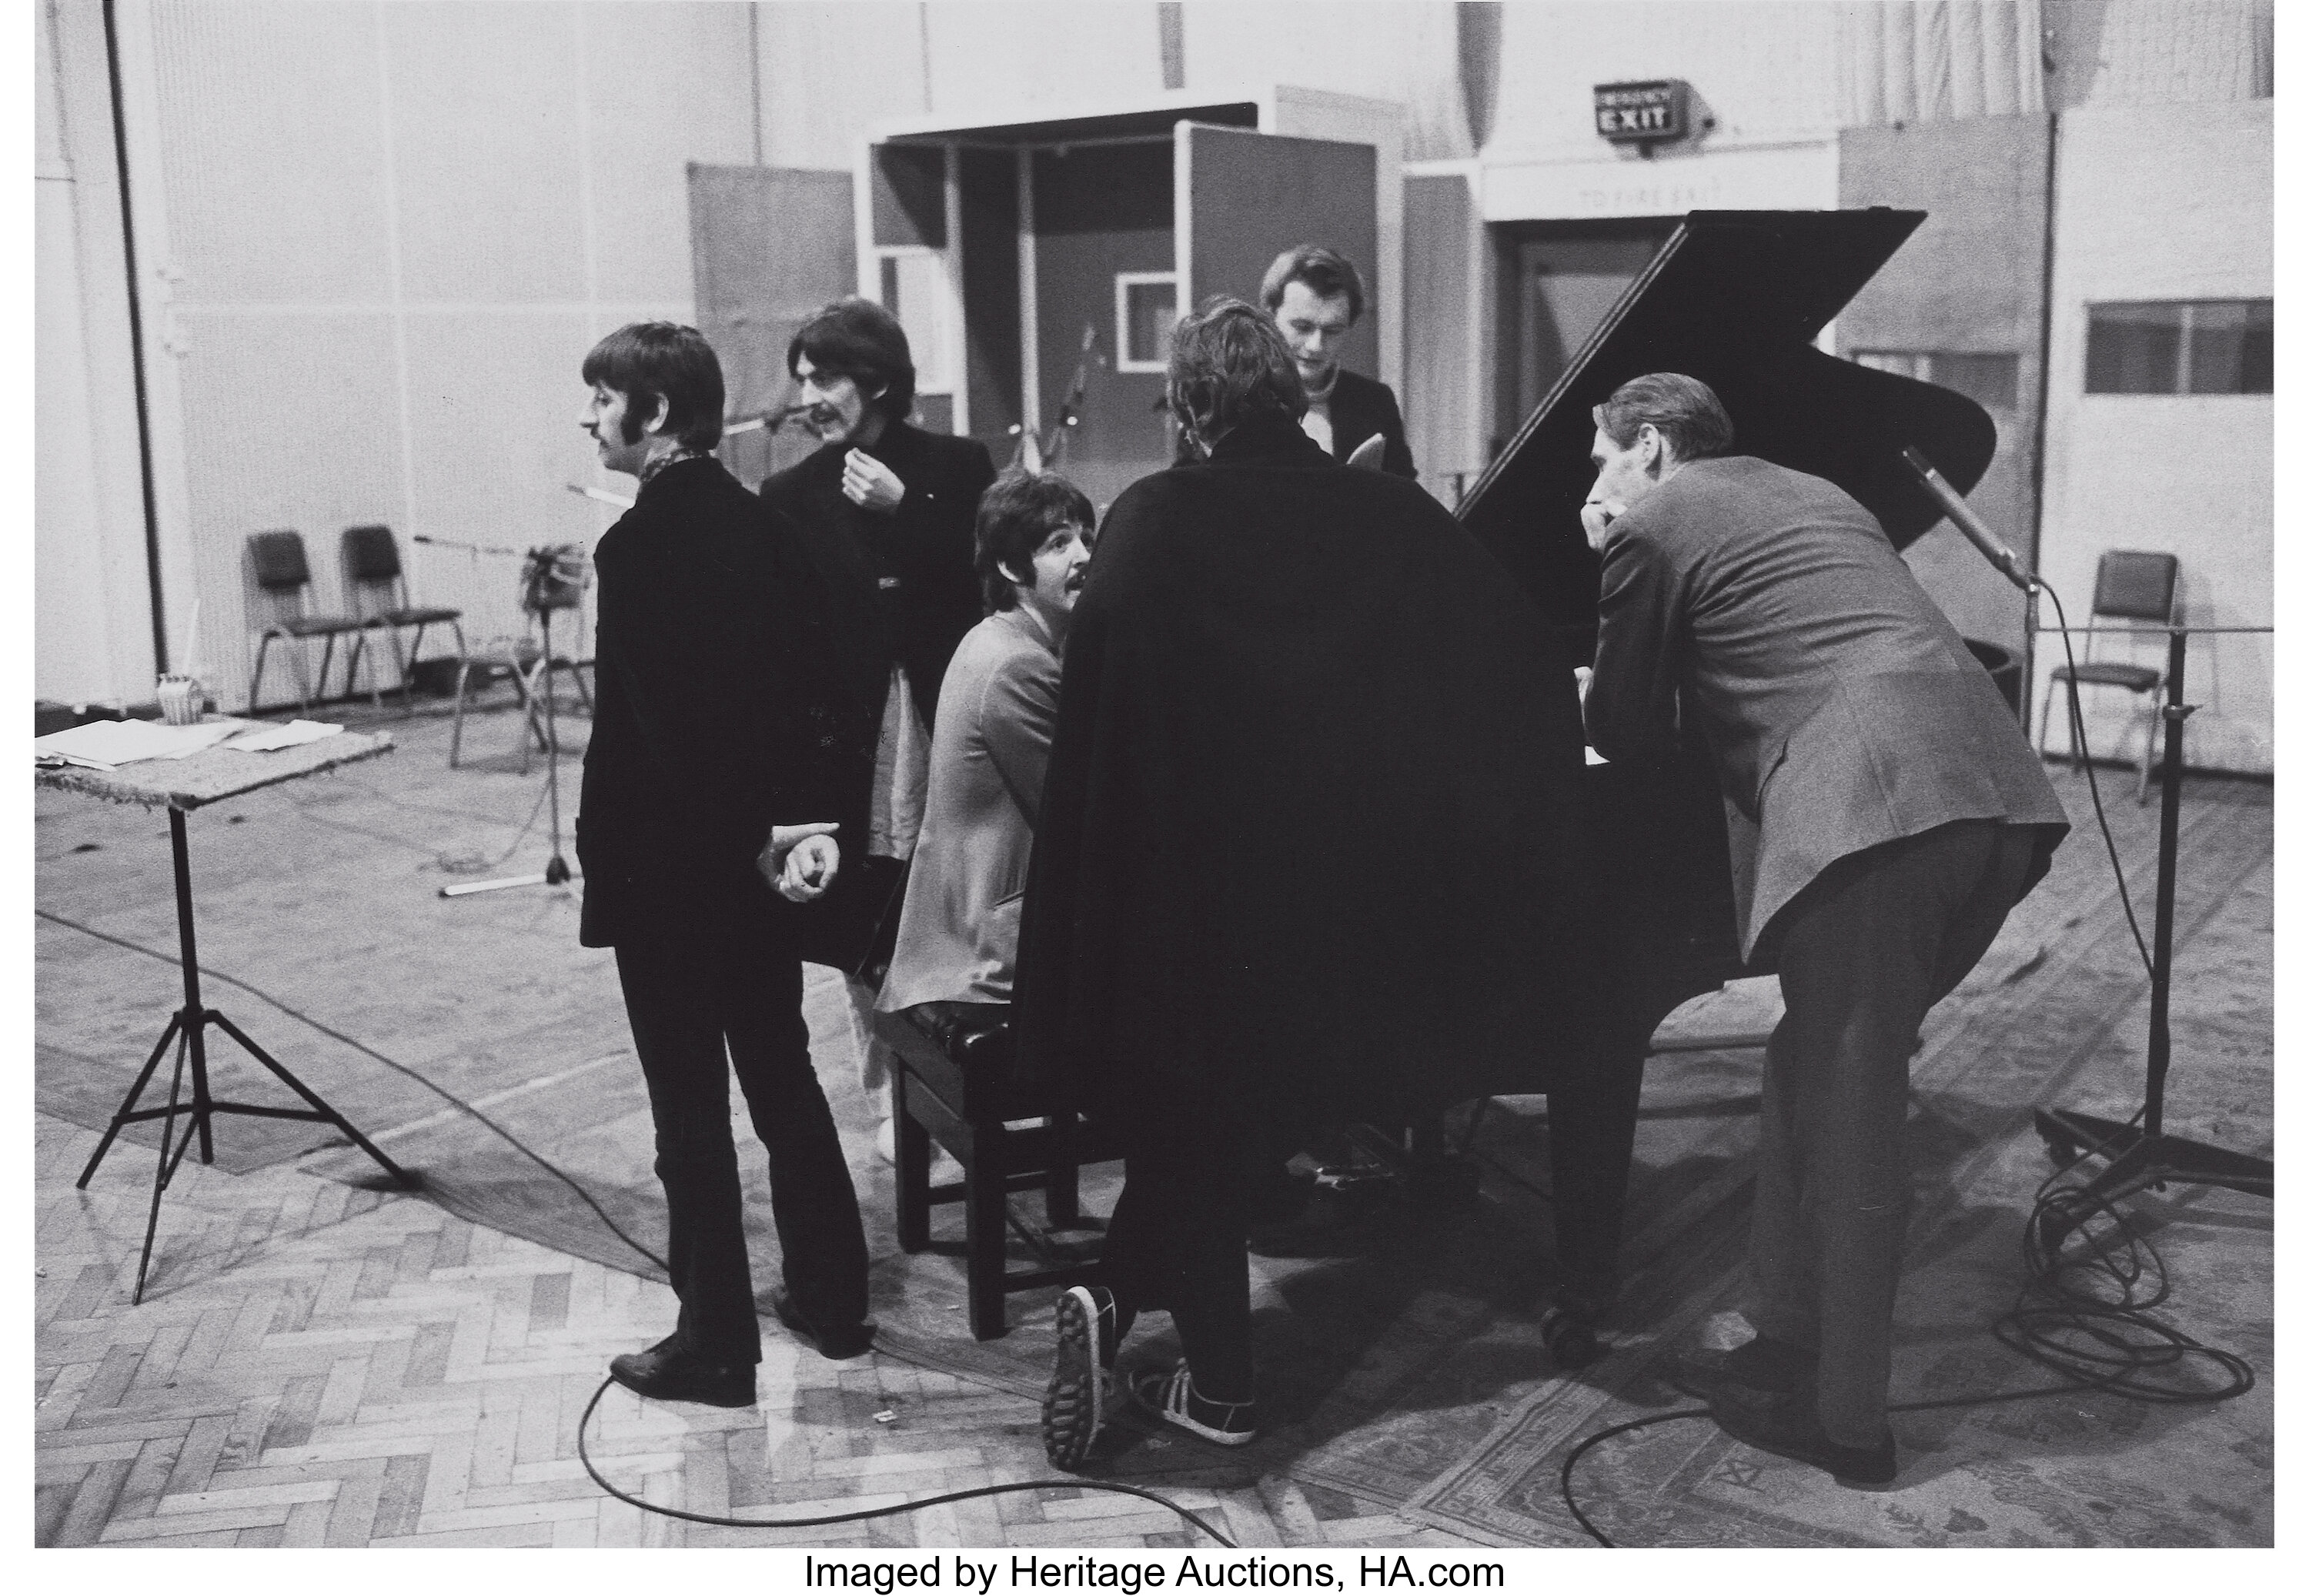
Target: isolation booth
1039	266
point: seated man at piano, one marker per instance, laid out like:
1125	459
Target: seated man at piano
1885	812
958	931
1310	844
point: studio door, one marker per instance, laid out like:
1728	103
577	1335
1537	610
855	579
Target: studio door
768	246
1243	198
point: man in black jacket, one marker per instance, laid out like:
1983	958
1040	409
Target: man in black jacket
1316	296
887	514
1309	843
708	729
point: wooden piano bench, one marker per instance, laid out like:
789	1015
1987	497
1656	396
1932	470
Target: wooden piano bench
955	1083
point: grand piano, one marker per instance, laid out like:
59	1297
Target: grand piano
1734	298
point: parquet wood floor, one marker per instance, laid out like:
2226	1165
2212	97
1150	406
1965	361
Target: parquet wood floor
315	1365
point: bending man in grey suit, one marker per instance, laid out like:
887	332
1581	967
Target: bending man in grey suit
1885	814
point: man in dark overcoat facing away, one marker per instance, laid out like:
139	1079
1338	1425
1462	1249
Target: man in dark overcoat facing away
1309	844
714	763
887	513
1884	811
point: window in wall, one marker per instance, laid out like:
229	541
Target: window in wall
1146	310
1992	380
2181	346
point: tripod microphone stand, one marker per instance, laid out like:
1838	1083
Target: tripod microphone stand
2141	1155
551	578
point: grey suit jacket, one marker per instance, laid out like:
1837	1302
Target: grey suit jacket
1842	708
959	929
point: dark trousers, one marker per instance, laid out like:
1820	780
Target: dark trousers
1864	951
703	1003
1176	1243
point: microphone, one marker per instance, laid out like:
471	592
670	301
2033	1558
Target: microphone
1975	530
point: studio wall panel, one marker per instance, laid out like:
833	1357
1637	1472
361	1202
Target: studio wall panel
277	438
495	401
272	152
829	72
665	85
490	151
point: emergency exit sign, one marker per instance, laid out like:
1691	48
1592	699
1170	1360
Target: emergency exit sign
1643	113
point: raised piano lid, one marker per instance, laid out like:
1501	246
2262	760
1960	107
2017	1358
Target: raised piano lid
1734	298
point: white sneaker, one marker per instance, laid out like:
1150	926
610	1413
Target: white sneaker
1170	1394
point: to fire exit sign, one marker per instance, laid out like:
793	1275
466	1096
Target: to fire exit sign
1643	113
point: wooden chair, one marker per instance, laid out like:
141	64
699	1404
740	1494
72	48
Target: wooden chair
955	1083
283	585
379	589
2129	586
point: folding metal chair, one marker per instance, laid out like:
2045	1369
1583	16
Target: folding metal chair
378	588
2131	586
284	583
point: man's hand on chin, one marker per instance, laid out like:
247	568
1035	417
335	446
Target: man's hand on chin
1596	516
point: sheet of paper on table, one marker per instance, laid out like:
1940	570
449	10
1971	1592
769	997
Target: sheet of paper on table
105	744
266	740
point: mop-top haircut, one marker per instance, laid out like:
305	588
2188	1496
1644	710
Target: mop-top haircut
1685	410
1228	364
857	339
647	361
1017	516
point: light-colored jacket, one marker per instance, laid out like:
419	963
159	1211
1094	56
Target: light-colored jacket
1842	708
959	929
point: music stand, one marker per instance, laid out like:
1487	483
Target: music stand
182	786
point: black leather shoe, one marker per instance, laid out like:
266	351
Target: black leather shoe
1762	1364
1787	1427
837	1341
667	1375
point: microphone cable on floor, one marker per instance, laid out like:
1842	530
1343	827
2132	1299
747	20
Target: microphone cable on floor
2092	785
587	1198
455	1101
855	1516
2103	1342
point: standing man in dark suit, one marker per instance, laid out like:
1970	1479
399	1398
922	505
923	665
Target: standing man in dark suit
1316	296
889	515
1885	814
706	731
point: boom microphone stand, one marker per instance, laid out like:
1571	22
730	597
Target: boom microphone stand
551	578
2143	1155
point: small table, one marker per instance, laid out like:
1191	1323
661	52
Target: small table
182	786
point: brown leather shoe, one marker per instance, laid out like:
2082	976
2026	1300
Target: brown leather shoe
833	1340
666	1374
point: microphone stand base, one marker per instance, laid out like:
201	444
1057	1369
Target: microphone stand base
547	878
